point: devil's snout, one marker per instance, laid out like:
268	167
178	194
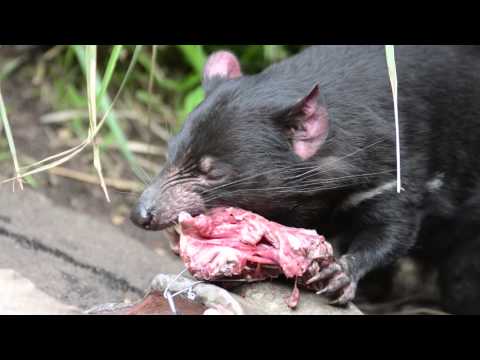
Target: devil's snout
159	207
142	216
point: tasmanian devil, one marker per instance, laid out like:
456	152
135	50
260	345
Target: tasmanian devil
310	142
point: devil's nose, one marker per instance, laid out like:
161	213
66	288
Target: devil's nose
142	216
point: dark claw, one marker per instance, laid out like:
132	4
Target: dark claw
339	283
336	302
326	273
323	291
347	295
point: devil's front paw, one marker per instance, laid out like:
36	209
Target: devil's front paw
338	284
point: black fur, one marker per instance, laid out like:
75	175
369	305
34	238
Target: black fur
242	125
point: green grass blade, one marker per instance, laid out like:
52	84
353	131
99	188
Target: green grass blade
9	67
106	105
189	82
252	53
78	102
392	72
9	136
274	52
112	63
192	100
150	94
195	56
160	79
91	77
70	155
30	180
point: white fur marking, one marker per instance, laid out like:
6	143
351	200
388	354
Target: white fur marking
435	184
357	198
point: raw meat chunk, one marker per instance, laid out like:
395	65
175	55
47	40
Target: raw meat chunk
235	243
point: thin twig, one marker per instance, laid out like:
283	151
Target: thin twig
119	184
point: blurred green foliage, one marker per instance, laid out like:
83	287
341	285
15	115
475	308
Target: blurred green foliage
163	77
177	72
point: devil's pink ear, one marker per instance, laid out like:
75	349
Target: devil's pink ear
222	64
310	124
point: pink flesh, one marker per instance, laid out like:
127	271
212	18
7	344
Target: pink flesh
292	301
231	242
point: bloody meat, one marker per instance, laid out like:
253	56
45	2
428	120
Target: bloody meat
234	243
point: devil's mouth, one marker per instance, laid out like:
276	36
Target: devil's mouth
171	229
173	235
157	225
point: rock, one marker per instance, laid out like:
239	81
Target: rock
71	256
19	296
269	297
263	298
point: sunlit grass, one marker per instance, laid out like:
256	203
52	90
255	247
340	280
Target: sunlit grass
89	67
9	136
91	77
392	72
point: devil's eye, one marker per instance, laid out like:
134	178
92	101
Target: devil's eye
216	174
211	169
